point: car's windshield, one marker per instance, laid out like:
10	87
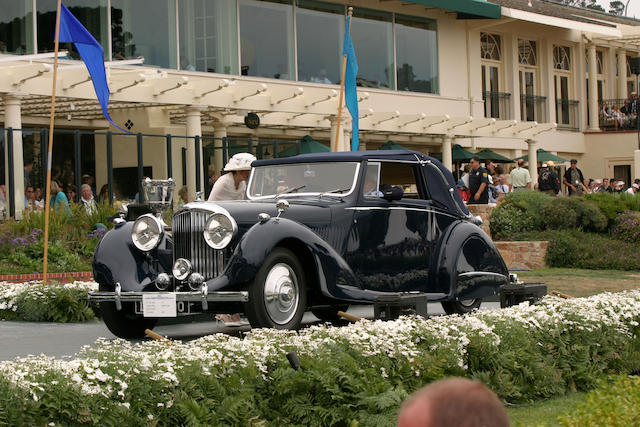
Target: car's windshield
335	178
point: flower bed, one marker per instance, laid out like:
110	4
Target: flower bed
361	372
33	301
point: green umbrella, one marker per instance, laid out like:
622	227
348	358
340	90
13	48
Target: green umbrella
543	156
459	153
390	145
307	145
488	154
232	149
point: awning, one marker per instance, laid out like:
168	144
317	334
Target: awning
391	145
488	154
543	156
307	145
470	8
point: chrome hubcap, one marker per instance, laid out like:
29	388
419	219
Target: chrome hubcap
281	295
467	302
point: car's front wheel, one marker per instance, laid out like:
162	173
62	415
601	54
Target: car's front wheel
278	296
462	306
123	323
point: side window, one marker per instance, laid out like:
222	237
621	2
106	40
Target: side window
372	181
404	176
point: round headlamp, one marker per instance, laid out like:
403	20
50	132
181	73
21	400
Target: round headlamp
219	230
181	269
147	232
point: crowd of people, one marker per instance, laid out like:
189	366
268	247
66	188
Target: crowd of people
489	184
620	117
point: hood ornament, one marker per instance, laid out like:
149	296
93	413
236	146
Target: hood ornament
282	205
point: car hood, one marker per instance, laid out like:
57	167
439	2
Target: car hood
312	213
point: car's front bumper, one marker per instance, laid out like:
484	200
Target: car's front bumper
202	296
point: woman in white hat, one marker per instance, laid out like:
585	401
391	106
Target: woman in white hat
233	185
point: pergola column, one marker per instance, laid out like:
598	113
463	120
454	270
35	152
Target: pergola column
194	128
533	161
594	124
13	119
219	132
622	74
447	158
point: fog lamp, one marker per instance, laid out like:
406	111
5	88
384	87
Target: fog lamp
181	269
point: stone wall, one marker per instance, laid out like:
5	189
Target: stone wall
523	255
483	211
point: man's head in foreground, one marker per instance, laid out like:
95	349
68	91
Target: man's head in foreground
453	402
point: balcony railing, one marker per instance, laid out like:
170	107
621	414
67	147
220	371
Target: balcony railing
568	114
618	114
533	108
497	105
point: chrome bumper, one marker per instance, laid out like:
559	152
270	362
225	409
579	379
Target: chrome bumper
202	296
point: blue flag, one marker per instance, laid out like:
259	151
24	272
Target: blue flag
72	31
350	92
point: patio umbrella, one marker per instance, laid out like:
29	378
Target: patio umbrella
307	145
488	154
390	145
543	156
458	153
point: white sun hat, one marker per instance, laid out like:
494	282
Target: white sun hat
240	162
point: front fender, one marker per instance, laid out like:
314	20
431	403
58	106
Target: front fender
117	260
468	264
329	268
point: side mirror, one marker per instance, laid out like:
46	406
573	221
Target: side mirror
391	193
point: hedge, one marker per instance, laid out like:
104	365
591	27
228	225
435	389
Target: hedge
354	375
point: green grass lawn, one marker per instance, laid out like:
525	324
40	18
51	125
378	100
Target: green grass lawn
11	268
582	283
544	413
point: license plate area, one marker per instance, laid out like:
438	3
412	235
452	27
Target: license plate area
159	304
182	308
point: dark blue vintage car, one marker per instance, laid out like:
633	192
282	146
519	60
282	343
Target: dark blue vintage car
317	232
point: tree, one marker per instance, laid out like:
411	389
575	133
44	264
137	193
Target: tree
617	8
587	4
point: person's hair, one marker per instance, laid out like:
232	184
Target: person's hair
467	168
83	186
520	162
454	402
476	159
71	187
183	190
104	190
55	188
86	178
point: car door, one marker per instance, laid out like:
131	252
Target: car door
390	244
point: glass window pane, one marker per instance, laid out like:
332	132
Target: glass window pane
16	29
417	54
266	39
92	14
208	36
319	57
144	28
372	34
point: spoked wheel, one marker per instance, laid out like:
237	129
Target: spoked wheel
278	296
462	306
123	323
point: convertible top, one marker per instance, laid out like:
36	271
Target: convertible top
442	186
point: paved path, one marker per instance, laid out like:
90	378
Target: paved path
65	339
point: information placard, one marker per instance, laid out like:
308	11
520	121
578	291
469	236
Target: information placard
159	305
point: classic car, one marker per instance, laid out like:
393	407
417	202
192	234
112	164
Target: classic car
316	232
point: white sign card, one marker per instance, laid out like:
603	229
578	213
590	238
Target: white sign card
159	305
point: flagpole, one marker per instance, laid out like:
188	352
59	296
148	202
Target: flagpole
334	146
50	147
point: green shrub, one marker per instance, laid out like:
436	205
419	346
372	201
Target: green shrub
558	215
576	249
54	302
631	200
610	204
627	227
614	403
508	219
530	201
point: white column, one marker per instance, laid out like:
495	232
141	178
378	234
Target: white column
547	80
580	86
513	80
447	160
346	137
533	161
194	128
622	74
13	119
636	164
594	124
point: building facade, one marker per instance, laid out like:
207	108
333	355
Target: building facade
509	75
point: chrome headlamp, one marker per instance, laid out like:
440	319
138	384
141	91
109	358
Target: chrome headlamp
219	230
147	232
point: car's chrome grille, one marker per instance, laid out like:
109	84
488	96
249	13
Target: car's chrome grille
189	243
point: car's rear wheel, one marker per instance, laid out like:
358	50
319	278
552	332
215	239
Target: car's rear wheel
462	306
329	313
278	295
123	323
